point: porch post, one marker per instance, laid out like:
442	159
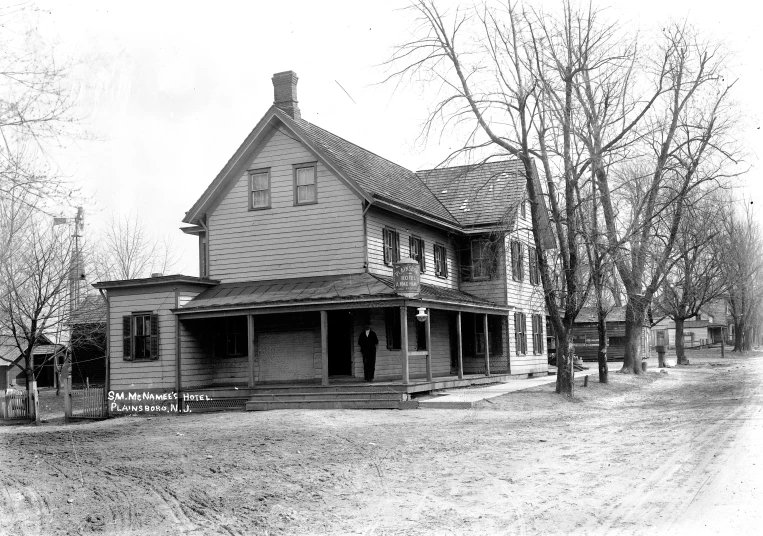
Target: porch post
404	342
429	345
458	345
250	347
324	348
487	347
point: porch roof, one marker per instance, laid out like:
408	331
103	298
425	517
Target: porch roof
315	292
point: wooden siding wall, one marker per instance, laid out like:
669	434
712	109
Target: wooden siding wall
151	374
285	240
499	361
525	298
376	220
199	367
389	362
493	289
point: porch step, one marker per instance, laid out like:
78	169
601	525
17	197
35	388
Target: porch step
346	399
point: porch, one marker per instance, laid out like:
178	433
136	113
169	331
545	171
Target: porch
262	353
342	393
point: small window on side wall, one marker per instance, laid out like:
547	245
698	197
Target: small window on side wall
391	244
440	261
259	186
140	336
416	251
305	184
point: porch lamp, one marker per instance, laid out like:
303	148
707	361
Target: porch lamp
421	316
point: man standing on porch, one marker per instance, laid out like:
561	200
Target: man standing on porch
368	343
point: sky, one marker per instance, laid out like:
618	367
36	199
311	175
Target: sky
169	90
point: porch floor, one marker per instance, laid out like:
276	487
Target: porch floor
341	393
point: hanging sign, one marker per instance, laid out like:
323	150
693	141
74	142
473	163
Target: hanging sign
406	277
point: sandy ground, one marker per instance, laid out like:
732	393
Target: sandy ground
658	454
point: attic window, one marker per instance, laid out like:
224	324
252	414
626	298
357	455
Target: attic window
259	184
305	184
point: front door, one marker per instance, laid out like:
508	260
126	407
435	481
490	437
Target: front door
340	343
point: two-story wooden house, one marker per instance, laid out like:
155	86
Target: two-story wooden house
297	237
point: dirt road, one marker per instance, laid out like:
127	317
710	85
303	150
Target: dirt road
660	454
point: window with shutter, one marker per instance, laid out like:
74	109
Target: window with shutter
391	240
440	261
416	252
142	327
532	255
538	322
520	335
484	259
517	264
127	337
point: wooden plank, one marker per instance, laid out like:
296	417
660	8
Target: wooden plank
250	348
427	323
324	348
459	343
404	343
487	345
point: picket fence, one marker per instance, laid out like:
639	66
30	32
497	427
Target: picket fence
14	404
87	403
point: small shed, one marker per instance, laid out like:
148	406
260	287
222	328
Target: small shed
585	336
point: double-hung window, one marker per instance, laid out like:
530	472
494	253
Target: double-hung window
392	328
483	259
305	184
140	336
517	264
520	333
259	186
416	246
538	322
440	261
391	240
532	255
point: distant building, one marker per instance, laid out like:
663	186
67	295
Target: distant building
586	335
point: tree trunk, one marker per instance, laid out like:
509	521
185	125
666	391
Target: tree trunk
738	330
635	310
602	326
564	374
747	339
680	353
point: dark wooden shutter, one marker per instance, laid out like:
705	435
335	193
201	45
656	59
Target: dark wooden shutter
127	337
385	246
466	262
397	246
154	336
422	256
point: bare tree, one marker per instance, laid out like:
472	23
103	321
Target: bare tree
35	278
37	109
696	277
127	250
684	144
743	272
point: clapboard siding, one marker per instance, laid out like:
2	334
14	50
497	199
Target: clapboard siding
377	220
199	367
286	240
158	373
525	298
389	362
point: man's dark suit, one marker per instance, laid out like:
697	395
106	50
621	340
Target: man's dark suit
367	345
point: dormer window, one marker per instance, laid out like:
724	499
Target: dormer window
305	184
259	186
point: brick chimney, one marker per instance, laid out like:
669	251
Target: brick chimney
285	93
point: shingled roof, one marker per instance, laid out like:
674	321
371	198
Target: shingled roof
479	194
378	176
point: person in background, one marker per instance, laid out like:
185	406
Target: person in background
368	342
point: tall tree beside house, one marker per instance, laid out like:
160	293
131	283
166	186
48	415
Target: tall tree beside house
127	249
696	277
35	278
552	88
742	264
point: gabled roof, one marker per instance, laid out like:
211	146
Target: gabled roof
497	187
92	310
